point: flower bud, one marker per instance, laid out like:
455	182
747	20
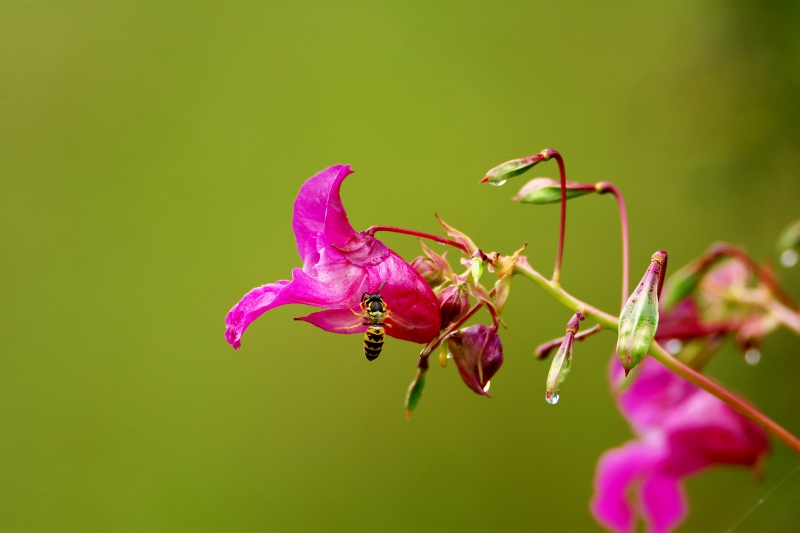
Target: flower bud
559	369
547	191
478	354
434	268
428	271
562	362
499	174
639	318
453	303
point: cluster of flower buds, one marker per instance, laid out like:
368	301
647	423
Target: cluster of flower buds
477	350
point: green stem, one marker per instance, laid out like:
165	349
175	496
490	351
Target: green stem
662	356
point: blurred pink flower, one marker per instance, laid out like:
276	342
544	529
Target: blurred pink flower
681	430
339	265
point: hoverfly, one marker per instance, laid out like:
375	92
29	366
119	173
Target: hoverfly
375	314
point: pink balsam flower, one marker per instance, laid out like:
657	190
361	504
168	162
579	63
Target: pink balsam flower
339	265
681	430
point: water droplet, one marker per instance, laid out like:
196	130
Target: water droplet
674	346
486	388
752	356
551	397
789	258
498	183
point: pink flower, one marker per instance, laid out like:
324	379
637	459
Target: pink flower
339	265
681	430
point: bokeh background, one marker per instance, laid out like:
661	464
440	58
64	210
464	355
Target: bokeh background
150	153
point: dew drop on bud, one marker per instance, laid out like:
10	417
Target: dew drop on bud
498	183
486	387
551	397
789	258
674	346
752	356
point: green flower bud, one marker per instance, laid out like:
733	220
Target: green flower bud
547	191
499	174
639	318
562	362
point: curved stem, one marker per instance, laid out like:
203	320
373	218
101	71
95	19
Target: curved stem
660	354
742	407
605	187
374	229
563	226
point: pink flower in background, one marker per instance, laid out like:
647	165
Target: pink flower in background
339	265
681	430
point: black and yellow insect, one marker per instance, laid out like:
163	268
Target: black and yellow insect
375	313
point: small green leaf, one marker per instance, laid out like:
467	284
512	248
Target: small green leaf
414	394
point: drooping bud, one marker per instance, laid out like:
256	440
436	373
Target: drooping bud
428	271
562	362
417	386
548	191
789	244
478	354
434	269
453	304
639	318
502	172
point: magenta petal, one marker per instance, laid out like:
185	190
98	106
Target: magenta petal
303	289
653	395
318	209
336	321
663	502
616	472
413	308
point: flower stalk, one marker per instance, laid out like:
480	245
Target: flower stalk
658	353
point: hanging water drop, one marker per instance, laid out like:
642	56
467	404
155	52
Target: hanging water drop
551	397
498	183
674	346
789	258
752	356
486	388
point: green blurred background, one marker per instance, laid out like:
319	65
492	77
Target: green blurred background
150	153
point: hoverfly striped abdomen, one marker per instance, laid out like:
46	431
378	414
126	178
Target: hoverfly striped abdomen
373	342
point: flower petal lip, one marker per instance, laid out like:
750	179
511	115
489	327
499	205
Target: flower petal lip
681	431
339	265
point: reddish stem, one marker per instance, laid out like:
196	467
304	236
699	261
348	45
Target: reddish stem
371	231
452	327
743	407
548	153
543	350
606	187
